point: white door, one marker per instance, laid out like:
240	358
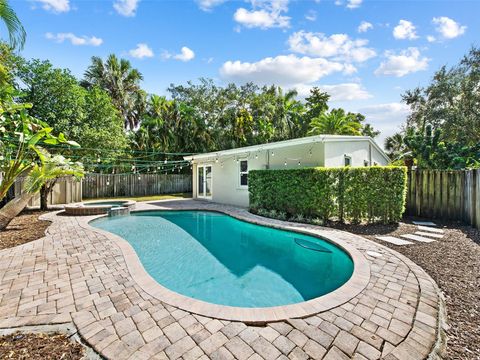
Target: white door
204	181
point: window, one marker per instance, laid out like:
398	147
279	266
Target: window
243	173
348	160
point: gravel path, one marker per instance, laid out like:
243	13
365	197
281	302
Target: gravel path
454	263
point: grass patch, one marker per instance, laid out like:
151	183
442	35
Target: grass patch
148	198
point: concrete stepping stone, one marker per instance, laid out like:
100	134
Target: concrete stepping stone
417	238
424	223
426	228
432	235
394	240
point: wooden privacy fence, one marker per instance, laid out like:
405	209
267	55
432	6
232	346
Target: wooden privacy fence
66	190
118	185
442	194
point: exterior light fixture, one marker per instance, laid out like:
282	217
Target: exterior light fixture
298	162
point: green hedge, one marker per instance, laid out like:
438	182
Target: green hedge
351	194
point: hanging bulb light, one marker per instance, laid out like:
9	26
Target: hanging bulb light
298	162
273	154
216	160
139	177
165	161
285	162
256	156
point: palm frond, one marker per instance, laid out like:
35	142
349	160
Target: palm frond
16	31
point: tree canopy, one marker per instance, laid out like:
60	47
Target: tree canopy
443	129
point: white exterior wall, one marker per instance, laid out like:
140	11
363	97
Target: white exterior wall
226	187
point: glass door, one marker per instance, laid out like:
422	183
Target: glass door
204	176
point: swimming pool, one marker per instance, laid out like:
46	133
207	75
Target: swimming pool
221	260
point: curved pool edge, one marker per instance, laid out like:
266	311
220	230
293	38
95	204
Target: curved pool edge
354	285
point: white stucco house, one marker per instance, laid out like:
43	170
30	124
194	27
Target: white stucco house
222	176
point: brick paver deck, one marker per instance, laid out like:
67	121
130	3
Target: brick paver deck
77	274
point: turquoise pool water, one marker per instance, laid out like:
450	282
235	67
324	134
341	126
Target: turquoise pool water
222	260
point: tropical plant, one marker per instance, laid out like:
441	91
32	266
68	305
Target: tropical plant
395	146
122	82
21	135
42	177
336	122
16	32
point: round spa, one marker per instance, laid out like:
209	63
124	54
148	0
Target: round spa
217	259
98	207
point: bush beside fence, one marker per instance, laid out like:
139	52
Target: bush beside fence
347	194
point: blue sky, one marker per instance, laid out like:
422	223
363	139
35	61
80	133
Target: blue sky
364	53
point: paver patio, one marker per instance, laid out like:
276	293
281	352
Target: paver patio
78	274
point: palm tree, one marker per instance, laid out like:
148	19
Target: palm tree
42	175
122	82
395	145
16	32
336	122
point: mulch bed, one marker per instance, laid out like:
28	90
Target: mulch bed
454	263
24	228
40	346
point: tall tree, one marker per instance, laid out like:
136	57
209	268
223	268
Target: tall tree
450	102
16	32
335	122
122	82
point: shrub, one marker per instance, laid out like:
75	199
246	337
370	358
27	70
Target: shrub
369	194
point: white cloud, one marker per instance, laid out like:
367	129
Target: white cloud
141	51
405	30
388	118
207	5
74	39
431	38
353	4
346	92
338	46
406	62
264	14
364	26
185	55
57	6
311	15
126	7
283	70
448	28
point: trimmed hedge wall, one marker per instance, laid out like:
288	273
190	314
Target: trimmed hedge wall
354	194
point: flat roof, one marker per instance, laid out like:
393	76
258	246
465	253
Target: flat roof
286	143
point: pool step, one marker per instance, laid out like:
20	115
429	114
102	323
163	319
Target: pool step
394	240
